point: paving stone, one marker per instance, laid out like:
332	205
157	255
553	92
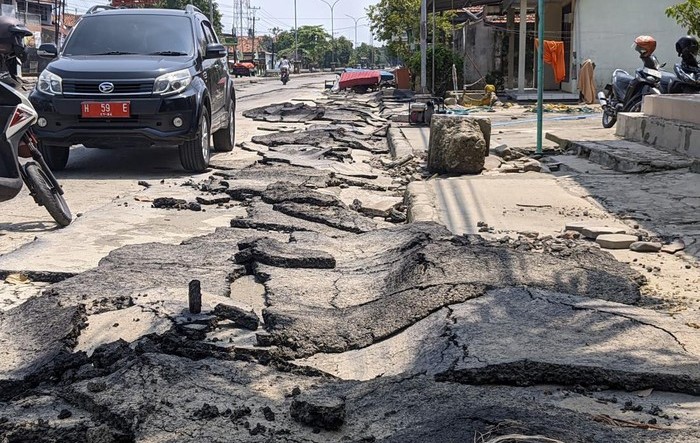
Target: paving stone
645	246
616	241
673	247
593	232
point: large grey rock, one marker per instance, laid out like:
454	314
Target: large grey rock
458	145
275	253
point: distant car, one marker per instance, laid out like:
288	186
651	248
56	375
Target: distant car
137	77
243	69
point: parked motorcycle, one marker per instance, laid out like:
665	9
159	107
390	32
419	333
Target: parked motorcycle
284	75
626	92
17	115
687	80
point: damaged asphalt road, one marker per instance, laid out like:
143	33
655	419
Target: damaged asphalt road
368	330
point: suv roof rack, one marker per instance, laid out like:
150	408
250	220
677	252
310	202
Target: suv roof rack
95	9
191	9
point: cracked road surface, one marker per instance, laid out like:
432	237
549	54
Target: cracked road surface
368	329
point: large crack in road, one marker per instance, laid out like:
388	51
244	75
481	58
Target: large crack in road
371	331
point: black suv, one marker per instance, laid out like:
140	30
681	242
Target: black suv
137	77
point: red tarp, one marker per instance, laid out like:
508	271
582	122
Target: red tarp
359	78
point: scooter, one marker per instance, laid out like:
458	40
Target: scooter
17	115
687	79
625	93
284	75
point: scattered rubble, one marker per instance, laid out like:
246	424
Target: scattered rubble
616	241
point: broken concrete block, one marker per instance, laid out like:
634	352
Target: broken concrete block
241	318
675	246
576	226
458	145
645	246
319	411
616	241
532	166
593	232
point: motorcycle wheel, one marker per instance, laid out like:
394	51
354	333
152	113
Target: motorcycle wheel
44	196
609	120
637	107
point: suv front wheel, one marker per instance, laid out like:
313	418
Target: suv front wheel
195	153
56	157
224	138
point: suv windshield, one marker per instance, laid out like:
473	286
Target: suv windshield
143	34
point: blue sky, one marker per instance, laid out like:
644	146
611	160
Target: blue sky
280	14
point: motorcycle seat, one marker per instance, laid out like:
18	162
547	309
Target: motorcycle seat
621	81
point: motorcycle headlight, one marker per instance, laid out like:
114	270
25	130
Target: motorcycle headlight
173	82
49	83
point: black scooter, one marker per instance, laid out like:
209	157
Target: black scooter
17	141
687	79
284	75
626	92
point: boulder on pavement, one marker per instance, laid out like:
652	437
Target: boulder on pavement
458	145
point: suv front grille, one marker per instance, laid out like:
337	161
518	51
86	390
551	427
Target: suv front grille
76	87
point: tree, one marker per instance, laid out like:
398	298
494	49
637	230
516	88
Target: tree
343	50
398	22
444	59
203	5
687	14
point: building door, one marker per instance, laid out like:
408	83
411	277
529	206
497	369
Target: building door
567	28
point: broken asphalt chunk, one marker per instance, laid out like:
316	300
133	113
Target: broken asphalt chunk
284	255
321	411
241	318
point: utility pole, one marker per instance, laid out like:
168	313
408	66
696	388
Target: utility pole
296	35
211	12
55	6
275	31
423	45
355	20
254	9
332	28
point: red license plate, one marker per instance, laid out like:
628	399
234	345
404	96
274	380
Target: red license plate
106	109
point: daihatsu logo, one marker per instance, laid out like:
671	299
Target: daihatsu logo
106	87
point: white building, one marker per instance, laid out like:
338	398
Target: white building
600	30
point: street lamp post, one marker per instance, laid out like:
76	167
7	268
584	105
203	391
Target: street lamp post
355	20
296	35
332	6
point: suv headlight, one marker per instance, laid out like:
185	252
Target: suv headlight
173	82
49	83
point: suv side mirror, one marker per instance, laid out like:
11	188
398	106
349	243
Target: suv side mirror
47	50
215	50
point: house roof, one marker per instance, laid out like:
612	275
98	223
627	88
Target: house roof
69	20
245	44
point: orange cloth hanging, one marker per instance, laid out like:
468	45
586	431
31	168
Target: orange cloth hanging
554	55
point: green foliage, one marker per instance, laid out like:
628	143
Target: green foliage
496	78
687	14
394	20
444	59
203	5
